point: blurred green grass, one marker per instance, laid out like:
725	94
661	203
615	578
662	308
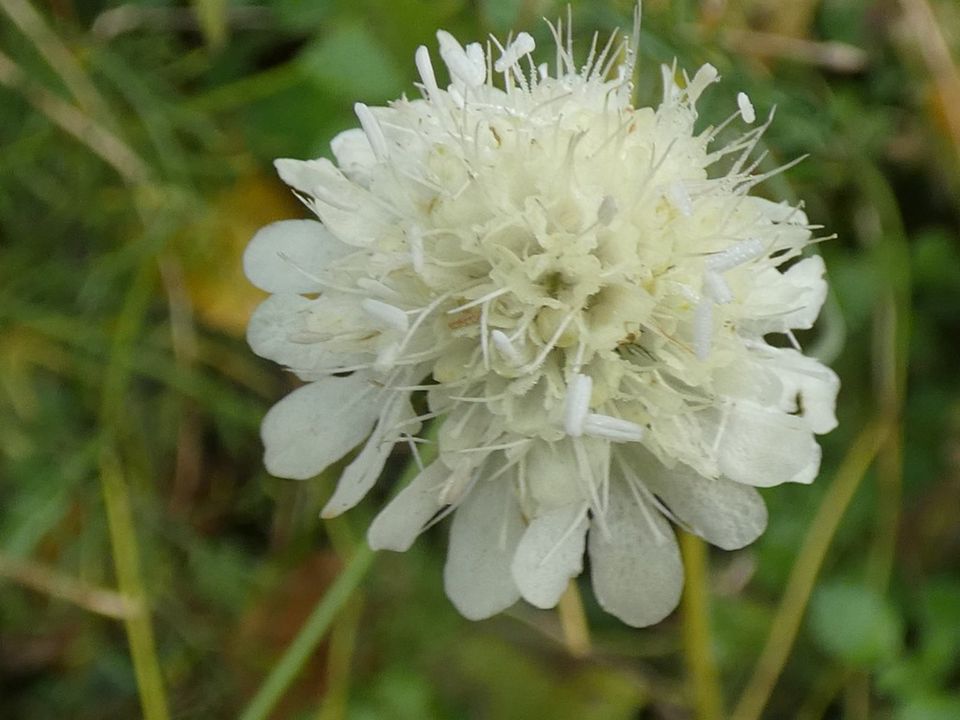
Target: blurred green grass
135	151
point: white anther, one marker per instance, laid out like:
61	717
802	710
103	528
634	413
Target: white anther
612	428
577	405
716	288
747	112
737	254
502	343
467	66
387	357
387	314
425	67
679	197
415	240
543	70
373	131
703	328
607	211
523	45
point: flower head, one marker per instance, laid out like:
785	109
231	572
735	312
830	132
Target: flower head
582	296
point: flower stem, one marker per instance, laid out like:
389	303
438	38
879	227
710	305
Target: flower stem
697	647
310	635
123	539
803	575
573	622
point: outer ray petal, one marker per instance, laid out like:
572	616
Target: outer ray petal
288	256
812	383
550	553
402	520
316	425
483	539
284	328
765	447
637	572
727	514
360	475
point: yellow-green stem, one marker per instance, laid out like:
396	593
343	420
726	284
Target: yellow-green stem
803	575
573	622
123	539
701	665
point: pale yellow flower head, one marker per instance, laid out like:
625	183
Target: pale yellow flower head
582	289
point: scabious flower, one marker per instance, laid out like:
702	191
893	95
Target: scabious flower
582	291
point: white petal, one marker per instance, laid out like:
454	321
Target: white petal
288	256
297	332
549	554
316	425
360	475
552	475
336	200
727	514
812	383
637	573
353	153
403	519
765	447
483	539
784	301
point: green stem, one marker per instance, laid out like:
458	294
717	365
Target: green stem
116	496
123	539
803	575
697	647
309	637
573	622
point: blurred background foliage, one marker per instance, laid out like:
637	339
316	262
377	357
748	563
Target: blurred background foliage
135	162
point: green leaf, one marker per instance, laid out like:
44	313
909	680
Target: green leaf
934	707
855	624
353	63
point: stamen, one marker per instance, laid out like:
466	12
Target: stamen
679	197
585	476
577	405
545	350
373	131
388	314
717	288
703	328
387	357
484	342
425	67
415	240
746	108
479	301
506	348
612	428
737	254
523	45
467	66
